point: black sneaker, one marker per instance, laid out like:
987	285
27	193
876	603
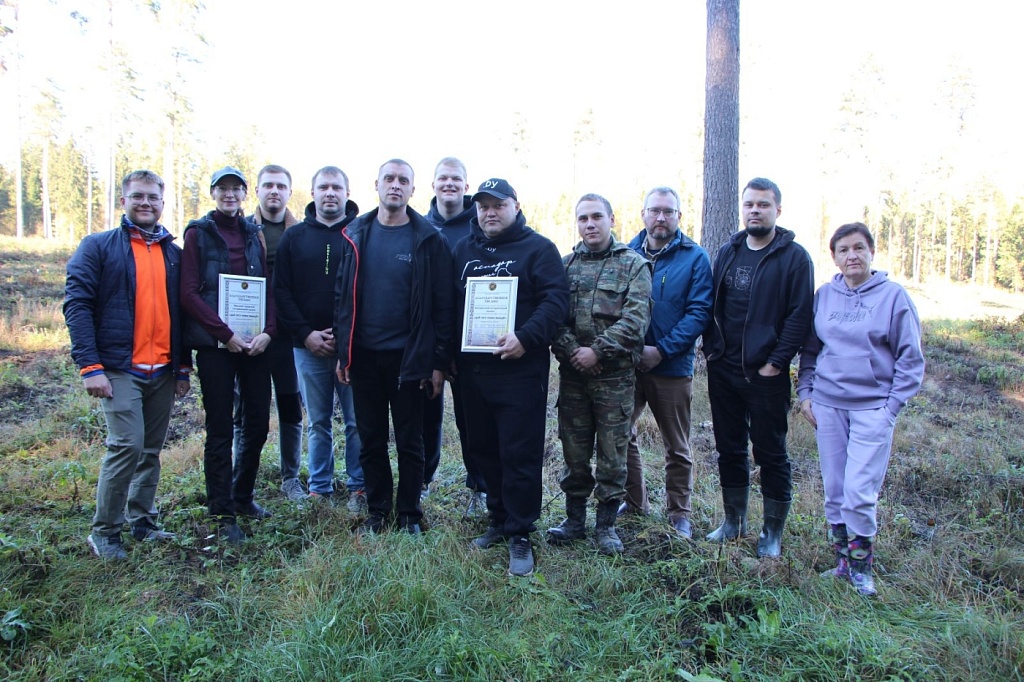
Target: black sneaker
409	525
492	537
520	556
253	511
373	525
231	533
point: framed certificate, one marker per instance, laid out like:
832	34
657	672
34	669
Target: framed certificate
490	312
242	304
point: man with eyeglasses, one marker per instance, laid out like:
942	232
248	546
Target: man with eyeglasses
681	307
123	314
451	211
273	189
392	328
307	267
597	351
762	311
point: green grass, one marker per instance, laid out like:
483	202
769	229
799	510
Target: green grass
308	599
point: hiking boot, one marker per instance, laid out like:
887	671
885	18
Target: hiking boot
489	539
107	547
424	492
574	527
144	532
862	558
608	542
681	525
253	511
230	532
840	543
293	490
357	502
477	505
734	500
520	556
769	542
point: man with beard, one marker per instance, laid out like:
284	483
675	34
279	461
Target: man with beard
505	391
307	267
392	328
762	310
681	307
451	211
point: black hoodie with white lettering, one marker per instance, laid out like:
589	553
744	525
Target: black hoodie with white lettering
542	300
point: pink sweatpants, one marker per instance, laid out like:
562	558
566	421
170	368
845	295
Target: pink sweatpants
853	447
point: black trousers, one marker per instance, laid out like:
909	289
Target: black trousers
506	413
375	392
229	485
757	409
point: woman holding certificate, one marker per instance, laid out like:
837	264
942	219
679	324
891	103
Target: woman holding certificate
231	319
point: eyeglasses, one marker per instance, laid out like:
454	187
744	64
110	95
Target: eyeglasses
667	212
139	198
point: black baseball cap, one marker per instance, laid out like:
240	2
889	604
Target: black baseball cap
227	172
496	187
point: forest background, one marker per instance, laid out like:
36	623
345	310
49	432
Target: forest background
898	114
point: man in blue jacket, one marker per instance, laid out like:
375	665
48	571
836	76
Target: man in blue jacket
763	305
681	307
123	314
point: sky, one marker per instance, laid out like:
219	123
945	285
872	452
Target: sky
353	84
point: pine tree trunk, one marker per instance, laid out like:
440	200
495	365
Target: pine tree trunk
721	125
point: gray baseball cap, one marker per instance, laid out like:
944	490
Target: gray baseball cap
227	172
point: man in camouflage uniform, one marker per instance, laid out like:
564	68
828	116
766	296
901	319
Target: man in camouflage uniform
598	350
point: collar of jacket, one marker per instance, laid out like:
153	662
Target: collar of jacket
289	218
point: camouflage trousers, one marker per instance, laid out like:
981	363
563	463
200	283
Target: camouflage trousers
595	409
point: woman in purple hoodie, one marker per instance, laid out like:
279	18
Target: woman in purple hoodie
860	365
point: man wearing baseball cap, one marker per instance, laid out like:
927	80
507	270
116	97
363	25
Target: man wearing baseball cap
505	389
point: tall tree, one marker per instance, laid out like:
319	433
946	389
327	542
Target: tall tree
721	124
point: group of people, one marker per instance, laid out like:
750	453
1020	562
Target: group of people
378	310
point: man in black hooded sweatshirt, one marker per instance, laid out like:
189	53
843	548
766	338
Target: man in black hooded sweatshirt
505	392
451	211
307	266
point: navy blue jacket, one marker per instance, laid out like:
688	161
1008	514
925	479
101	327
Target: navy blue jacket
99	300
781	304
681	302
430	301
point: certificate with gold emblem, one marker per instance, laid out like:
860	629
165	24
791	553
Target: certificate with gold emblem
490	312
242	304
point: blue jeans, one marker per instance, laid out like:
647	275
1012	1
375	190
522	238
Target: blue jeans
318	385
